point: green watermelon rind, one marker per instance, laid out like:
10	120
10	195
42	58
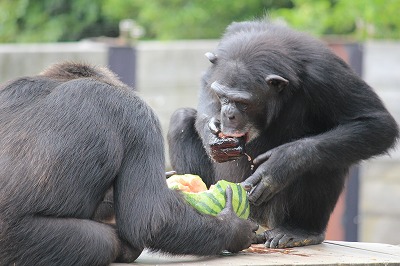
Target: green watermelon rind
213	201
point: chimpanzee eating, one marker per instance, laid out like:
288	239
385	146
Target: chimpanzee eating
70	136
281	102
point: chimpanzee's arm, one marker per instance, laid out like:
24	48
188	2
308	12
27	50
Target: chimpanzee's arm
186	150
165	221
338	148
363	128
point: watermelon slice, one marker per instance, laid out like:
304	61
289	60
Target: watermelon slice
210	201
186	183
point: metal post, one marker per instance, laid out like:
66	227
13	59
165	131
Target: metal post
122	58
122	61
351	220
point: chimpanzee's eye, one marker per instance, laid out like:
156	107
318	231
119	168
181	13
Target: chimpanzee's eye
242	106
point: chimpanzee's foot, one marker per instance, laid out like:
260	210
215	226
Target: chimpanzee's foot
281	237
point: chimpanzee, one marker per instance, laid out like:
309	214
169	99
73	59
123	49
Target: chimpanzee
67	137
281	102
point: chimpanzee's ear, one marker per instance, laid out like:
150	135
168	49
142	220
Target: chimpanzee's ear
211	56
277	82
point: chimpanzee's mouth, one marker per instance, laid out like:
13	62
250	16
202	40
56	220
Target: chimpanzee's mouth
243	136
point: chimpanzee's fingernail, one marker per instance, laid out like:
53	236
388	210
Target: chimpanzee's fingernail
246	186
170	173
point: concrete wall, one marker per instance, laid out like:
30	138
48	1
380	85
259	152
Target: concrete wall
380	177
168	74
30	59
168	77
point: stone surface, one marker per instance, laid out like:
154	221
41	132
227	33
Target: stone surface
328	253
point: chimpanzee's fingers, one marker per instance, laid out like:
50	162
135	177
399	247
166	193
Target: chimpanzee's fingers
228	193
265	196
259	239
263	191
251	181
255	227
262	158
256	194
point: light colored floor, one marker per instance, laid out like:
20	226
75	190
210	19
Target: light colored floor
327	253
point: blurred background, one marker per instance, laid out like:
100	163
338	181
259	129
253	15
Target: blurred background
158	47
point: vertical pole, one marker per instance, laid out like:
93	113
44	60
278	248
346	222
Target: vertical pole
355	53
122	61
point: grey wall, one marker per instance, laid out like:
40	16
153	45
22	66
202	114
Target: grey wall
168	77
169	74
380	177
29	59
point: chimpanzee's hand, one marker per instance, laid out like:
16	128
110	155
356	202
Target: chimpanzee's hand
223	149
277	168
244	231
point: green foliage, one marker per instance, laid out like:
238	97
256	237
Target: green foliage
360	19
52	20
71	20
189	19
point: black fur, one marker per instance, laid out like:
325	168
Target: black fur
306	117
69	135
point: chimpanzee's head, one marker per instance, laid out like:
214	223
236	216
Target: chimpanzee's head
246	91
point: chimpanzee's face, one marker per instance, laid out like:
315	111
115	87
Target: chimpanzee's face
243	98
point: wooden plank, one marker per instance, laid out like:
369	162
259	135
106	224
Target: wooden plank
328	253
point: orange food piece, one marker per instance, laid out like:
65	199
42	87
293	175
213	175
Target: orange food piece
187	183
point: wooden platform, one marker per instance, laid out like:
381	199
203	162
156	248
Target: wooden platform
327	253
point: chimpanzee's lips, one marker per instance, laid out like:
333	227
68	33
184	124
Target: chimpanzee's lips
245	136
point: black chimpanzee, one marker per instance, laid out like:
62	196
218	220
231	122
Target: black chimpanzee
66	137
284	99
